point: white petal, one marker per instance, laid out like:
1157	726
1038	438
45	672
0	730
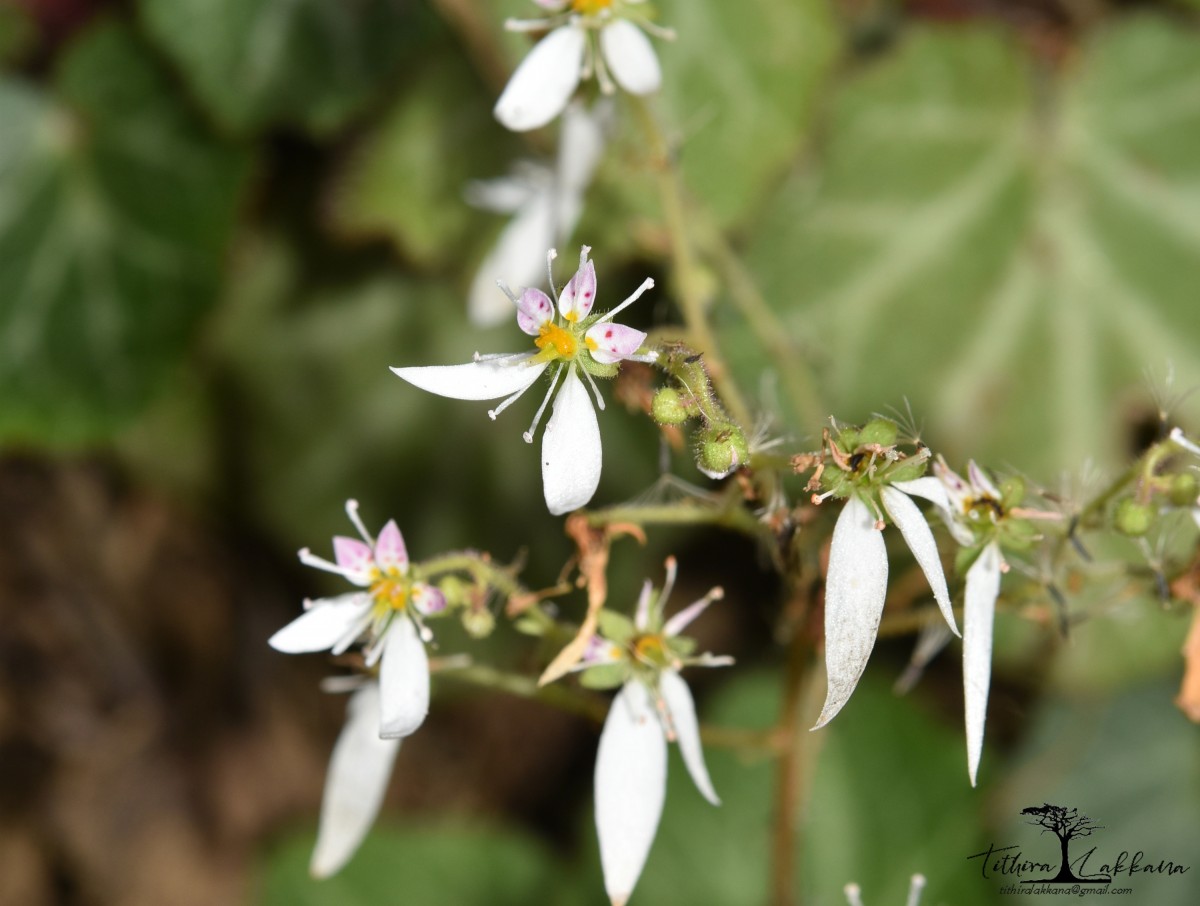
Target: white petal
354	787
544	82
486	380
919	538
320	627
928	487
983	585
631	782
580	150
631	58
403	681
571	454
687	730
518	258
855	589
503	195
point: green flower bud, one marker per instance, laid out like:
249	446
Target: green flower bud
668	407
722	449
1184	489
455	591
1132	518
478	622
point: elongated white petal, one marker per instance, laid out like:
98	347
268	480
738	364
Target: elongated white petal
928	487
320	627
571	454
687	730
855	589
631	782
983	585
630	57
544	82
580	150
518	258
919	538
485	380
403	681
355	785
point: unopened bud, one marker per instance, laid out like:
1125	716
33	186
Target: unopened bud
1184	489
478	622
1132	518
722	450
668	407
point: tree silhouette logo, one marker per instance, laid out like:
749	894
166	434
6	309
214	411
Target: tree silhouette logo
1066	824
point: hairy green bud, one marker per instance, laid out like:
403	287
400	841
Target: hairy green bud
1132	518
478	622
1184	489
668	407
722	449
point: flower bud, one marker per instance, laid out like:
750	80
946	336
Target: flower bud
1184	489
454	590
1132	518
478	622
668	407
722	449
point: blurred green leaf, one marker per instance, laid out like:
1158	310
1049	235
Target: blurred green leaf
406	178
1130	764
115	210
1008	248
17	32
881	749
254	63
463	866
739	85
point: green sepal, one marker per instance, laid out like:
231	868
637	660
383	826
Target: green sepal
604	676
616	627
880	431
847	440
597	369
1017	534
681	646
907	469
1012	492
530	626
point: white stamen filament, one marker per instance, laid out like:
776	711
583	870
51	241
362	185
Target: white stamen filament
527	24
602	77
308	558
348	637
853	894
508	292
672	567
667	34
492	413
916	886
589	54
528	435
352	512
595	390
648	283
550	256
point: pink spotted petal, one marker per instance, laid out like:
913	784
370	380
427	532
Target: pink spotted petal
428	599
534	309
613	342
578	296
390	552
355	558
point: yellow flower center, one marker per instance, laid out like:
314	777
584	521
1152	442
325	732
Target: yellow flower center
390	592
984	508
590	7
650	648
563	342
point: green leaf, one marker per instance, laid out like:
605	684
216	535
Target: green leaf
739	85
254	63
406	178
115	211
1010	249
465	866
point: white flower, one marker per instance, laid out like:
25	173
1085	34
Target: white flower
969	504
573	343
546	204
387	610
856	584
653	707
359	770
915	887
585	36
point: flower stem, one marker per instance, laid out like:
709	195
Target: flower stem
692	301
